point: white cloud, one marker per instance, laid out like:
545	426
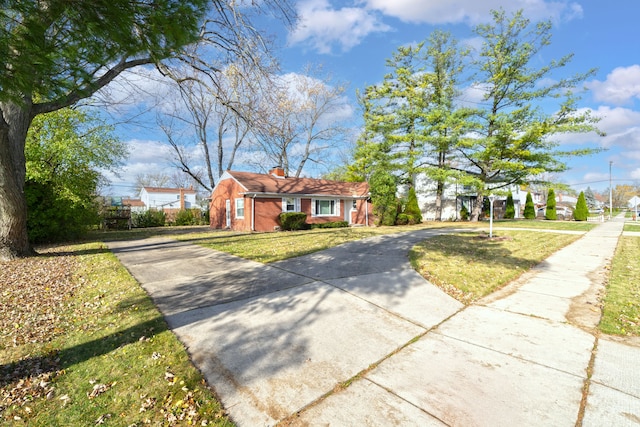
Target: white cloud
472	11
472	96
621	86
322	27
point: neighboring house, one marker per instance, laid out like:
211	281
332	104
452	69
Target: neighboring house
136	205
456	195
246	201
168	198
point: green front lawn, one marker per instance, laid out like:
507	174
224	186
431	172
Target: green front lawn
82	344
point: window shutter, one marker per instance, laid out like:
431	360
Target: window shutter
284	204
338	207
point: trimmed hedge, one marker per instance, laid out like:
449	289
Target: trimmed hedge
332	224
290	221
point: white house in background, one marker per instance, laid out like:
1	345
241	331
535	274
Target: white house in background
136	205
168	199
457	195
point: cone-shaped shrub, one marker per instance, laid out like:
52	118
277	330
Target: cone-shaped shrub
550	213
529	208
412	208
464	213
582	211
510	209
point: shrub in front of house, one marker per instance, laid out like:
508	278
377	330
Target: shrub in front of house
550	213
402	219
464	213
188	217
510	209
290	221
529	208
332	224
582	211
149	218
412	208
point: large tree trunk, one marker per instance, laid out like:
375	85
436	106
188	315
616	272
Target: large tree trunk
14	123
477	208
439	193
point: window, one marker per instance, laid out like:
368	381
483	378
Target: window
326	208
290	204
239	208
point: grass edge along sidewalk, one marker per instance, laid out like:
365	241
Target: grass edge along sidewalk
110	358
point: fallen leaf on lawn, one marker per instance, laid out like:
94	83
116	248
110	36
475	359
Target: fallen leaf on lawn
98	389
102	418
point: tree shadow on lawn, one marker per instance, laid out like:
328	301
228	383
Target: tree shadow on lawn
66	357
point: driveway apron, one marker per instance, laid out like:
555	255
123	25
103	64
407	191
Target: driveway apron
354	336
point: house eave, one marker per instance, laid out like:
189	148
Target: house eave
305	195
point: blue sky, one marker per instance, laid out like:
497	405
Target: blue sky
353	39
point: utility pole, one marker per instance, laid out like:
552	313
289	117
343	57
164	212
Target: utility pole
610	193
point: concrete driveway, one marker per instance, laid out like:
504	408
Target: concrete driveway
354	336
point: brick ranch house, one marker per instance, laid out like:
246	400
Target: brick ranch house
246	201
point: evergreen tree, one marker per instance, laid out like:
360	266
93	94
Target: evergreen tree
383	197
590	198
529	208
582	211
513	136
464	213
550	213
412	208
510	210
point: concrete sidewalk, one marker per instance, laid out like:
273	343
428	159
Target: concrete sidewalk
354	336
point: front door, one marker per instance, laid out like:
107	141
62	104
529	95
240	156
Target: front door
227	207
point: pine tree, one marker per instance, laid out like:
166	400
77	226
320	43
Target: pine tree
582	211
550	213
529	208
510	210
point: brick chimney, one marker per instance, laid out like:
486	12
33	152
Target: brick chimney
277	171
181	198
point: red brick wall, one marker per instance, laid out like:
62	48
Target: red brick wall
228	190
268	210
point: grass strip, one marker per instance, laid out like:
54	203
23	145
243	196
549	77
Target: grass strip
621	309
110	360
469	266
271	247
